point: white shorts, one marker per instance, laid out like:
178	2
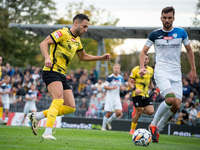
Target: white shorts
169	85
6	103
111	107
29	107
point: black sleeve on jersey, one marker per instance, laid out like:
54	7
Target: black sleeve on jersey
79	50
52	39
151	36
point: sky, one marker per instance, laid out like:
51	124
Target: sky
139	13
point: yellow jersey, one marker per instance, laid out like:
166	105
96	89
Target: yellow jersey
141	83
63	50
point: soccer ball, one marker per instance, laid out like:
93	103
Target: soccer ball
141	137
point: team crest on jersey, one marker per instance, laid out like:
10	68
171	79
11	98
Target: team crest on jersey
57	34
73	39
168	37
175	35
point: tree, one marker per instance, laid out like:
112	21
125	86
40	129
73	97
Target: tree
196	21
20	48
97	17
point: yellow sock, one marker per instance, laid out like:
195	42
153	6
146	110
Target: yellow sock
133	126
64	110
53	112
1	112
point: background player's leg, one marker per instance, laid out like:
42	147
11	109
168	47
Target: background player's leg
114	116
149	110
135	119
105	120
6	116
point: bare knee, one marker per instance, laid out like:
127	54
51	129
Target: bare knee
1	104
118	113
150	112
170	100
138	112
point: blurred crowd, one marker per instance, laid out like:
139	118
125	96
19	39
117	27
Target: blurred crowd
89	88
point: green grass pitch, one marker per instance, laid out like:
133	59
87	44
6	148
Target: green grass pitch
17	137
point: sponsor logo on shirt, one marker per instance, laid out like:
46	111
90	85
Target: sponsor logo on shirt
175	35
73	39
57	34
168	37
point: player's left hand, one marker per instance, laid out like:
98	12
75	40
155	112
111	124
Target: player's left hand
106	57
192	75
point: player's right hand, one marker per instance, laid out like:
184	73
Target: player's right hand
142	72
48	62
137	91
114	87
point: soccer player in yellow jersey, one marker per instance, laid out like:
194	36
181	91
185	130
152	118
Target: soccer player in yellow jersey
1	103
64	43
140	95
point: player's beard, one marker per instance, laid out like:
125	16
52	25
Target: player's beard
77	31
167	26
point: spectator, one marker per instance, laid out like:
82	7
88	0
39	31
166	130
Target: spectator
99	112
11	71
192	115
88	88
38	85
18	79
197	106
192	96
82	70
95	73
123	92
179	120
71	76
93	98
84	76
4	72
20	91
7	67
32	69
81	89
126	76
125	102
196	85
74	85
27	82
91	111
92	77
83	107
186	88
99	84
185	110
77	74
28	68
18	71
35	75
190	101
43	89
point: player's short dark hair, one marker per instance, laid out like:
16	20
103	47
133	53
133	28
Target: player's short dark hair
80	18
168	9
